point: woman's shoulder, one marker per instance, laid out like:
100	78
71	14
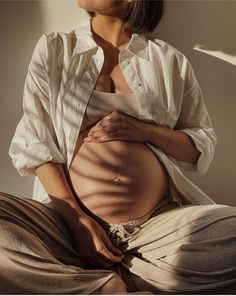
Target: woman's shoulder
60	42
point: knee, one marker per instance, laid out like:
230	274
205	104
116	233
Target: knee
4	200
9	203
225	221
8	236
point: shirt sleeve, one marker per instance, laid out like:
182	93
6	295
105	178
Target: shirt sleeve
194	120
35	141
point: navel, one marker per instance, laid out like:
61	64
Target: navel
117	179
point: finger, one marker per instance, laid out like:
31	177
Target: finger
111	117
95	139
99	262
116	135
111	257
95	130
102	138
102	125
111	247
107	254
112	127
105	131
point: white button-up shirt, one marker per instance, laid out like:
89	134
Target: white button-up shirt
61	76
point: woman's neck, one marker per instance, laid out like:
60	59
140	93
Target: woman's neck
110	31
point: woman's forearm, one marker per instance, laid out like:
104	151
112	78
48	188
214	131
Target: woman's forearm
54	181
175	143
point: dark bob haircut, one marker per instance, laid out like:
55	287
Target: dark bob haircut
142	15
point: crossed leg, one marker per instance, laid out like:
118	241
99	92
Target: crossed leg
189	249
37	255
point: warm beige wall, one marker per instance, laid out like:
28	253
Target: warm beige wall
22	23
211	24
186	25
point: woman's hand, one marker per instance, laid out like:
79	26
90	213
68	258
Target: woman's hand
93	244
118	126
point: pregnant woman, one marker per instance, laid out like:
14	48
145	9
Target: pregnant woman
109	118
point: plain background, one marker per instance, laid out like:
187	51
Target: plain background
205	31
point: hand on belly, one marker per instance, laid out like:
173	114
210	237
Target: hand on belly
118	180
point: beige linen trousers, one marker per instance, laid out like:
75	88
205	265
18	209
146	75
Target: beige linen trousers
187	249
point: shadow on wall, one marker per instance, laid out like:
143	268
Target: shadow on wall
210	26
209	23
21	25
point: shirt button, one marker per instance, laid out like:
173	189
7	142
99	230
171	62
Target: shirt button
70	136
138	84
127	62
87	76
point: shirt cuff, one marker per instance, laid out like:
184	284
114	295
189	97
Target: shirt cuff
34	156
205	144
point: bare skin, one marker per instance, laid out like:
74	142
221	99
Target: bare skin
112	80
110	177
112	35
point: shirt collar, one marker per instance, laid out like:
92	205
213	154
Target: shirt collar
138	44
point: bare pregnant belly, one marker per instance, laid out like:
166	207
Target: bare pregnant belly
118	181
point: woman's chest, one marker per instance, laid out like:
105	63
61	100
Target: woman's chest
128	75
111	78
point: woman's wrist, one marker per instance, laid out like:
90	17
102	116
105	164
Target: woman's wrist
174	143
68	208
151	132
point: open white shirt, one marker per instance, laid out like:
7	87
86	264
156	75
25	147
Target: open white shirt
61	76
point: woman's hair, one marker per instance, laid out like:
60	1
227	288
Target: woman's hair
142	15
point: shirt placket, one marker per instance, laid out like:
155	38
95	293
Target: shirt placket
87	83
125	60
